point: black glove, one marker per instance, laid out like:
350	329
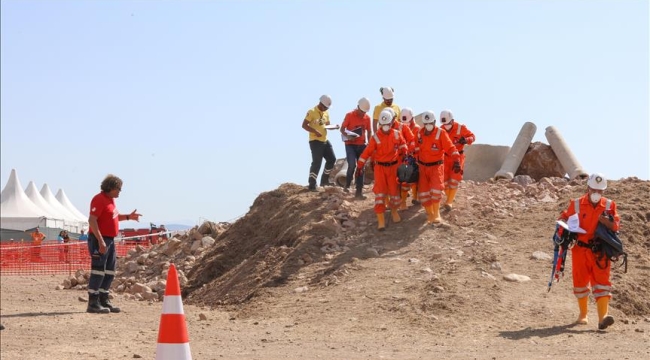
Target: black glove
358	171
456	167
462	140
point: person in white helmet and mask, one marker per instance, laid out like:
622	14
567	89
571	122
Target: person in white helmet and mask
461	136
386	147
387	95
314	123
356	121
589	269
433	148
404	126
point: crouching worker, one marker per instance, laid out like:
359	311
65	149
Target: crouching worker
590	210
432	148
386	147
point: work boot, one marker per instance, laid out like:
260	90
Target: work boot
359	195
94	306
403	195
395	216
346	189
435	219
414	194
429	210
106	302
325	180
451	194
381	222
582	304
604	319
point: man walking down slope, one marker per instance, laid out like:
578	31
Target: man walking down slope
314	123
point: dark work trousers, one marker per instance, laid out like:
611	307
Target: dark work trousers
320	150
352	153
102	266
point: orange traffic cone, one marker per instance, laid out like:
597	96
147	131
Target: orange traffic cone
173	341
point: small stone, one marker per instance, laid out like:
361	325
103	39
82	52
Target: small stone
202	316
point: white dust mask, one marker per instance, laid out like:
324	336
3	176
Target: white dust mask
428	127
385	127
594	197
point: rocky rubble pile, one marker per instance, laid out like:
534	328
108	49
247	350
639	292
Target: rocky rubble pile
142	274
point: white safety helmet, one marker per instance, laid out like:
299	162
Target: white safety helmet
406	115
364	104
387	92
386	116
391	111
446	117
597	181
326	100
428	117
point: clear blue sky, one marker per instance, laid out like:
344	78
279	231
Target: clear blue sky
198	105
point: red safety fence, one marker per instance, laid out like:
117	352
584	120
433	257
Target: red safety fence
55	258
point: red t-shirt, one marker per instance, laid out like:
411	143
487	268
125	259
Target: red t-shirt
103	207
357	124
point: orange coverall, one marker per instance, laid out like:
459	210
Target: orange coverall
409	137
452	179
37	240
386	149
430	150
584	269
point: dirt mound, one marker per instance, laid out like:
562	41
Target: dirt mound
299	240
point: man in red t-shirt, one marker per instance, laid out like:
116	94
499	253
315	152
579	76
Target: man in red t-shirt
356	122
104	226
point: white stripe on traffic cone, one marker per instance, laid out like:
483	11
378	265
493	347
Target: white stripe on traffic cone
173	341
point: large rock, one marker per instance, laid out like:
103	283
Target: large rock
540	161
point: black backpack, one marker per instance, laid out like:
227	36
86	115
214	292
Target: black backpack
608	246
408	171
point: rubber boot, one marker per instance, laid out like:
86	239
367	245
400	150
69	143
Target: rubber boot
451	194
381	222
414	194
359	194
395	216
429	210
106	302
403	195
583	305
94	306
435	219
604	319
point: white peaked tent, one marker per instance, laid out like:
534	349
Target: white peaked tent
32	193
49	197
63	199
18	212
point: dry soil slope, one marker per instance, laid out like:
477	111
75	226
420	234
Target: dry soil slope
411	272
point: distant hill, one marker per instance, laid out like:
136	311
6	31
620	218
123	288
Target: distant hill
170	227
177	227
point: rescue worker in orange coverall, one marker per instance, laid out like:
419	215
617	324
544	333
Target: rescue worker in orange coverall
460	136
592	209
406	117
409	137
386	147
433	148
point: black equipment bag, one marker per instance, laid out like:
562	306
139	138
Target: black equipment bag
408	171
608	245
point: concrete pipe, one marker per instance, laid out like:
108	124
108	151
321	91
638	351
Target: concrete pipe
564	154
517	152
482	161
342	175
